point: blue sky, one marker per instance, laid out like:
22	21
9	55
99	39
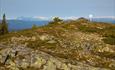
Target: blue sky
61	8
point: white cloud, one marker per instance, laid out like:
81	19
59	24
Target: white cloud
41	17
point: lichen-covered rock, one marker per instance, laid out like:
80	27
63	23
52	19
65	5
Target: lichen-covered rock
44	37
50	66
27	57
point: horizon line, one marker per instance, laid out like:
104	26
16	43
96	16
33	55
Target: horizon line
69	17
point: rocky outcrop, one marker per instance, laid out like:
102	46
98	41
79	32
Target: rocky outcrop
27	58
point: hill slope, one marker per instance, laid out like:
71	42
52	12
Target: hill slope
71	45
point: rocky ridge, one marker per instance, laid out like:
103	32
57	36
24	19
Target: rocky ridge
56	47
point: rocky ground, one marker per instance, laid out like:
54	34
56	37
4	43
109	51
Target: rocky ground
56	47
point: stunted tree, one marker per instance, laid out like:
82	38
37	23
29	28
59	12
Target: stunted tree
3	26
56	20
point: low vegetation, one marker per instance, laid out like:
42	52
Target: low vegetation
91	43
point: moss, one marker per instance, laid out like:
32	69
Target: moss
29	68
38	44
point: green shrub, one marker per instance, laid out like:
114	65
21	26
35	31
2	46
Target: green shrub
109	40
56	20
88	29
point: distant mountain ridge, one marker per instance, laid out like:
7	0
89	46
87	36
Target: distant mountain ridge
109	20
99	19
31	18
24	24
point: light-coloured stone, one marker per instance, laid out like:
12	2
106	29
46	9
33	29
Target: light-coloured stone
50	66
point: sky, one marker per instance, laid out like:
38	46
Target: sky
62	8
